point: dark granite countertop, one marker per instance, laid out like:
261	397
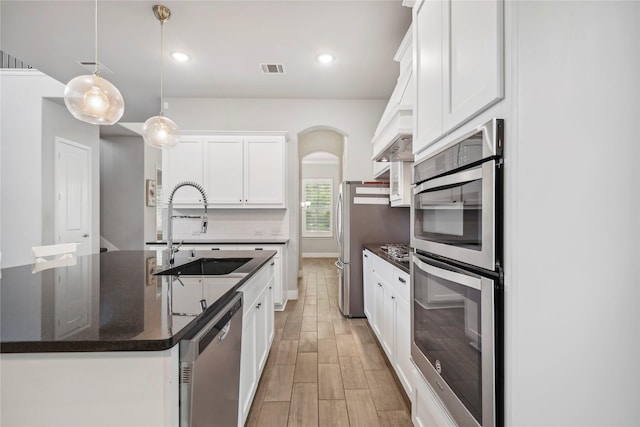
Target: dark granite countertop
375	248
228	241
113	302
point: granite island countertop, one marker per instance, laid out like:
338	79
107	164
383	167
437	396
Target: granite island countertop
113	302
227	241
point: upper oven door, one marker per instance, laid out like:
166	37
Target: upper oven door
454	216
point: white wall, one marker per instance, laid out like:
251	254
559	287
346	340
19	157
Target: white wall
573	285
122	191
152	161
26	137
355	118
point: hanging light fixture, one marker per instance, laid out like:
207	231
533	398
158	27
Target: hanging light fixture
160	131
91	98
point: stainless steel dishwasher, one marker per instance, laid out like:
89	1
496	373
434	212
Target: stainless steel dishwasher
210	371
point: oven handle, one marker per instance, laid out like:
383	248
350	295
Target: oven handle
463	279
456	178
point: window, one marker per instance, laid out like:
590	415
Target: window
317	208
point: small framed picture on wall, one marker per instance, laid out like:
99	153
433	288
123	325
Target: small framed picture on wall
151	269
151	192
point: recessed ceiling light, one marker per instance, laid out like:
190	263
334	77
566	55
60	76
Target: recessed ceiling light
325	58
180	56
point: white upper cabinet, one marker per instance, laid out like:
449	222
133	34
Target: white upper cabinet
427	27
400	184
184	163
459	64
264	178
236	170
223	169
473	58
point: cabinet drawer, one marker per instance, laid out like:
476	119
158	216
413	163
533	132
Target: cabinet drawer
402	284
254	287
383	269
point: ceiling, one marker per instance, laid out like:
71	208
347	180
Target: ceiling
227	40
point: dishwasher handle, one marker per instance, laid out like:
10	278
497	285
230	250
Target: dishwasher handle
219	327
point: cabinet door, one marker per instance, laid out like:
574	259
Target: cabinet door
270	314
367	285
264	165
394	181
278	292
427	410
262	329
388	323
473	58
183	163
378	314
427	24
248	357
223	169
402	331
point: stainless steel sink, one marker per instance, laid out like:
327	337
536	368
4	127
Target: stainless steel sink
206	267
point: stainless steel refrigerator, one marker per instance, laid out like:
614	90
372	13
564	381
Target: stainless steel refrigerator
363	215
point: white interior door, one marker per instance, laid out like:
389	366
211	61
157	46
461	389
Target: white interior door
73	195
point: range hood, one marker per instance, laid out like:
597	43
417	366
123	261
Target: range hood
393	138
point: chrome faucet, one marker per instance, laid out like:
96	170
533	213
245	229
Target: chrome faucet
170	249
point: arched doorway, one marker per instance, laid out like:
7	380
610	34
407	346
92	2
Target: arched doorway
323	148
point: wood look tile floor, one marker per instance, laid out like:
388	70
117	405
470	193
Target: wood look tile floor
325	369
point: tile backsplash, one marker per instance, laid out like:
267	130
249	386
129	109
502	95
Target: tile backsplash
231	224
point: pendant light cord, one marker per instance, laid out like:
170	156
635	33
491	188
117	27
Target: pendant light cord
161	55
95	71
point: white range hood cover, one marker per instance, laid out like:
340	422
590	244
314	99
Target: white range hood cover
393	137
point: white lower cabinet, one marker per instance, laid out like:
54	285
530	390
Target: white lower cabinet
426	408
367	259
279	291
402	331
257	335
388	311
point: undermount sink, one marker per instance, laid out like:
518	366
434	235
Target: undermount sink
206	267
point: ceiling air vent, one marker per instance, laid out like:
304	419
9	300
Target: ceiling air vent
90	66
272	68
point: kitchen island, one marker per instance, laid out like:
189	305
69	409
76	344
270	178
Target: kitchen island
94	343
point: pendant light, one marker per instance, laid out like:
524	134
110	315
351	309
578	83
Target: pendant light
160	131
91	98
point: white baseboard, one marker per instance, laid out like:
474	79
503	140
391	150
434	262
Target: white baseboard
320	255
292	294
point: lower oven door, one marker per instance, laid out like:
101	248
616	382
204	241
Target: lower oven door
452	322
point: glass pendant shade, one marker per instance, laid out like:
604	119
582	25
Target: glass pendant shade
94	100
160	132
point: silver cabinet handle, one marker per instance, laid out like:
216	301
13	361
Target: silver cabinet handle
401	280
273	263
379	284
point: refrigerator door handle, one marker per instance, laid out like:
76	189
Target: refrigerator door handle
339	219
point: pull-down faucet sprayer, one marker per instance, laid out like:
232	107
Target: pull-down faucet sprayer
170	249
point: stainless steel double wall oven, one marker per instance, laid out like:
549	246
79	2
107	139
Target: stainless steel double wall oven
456	274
